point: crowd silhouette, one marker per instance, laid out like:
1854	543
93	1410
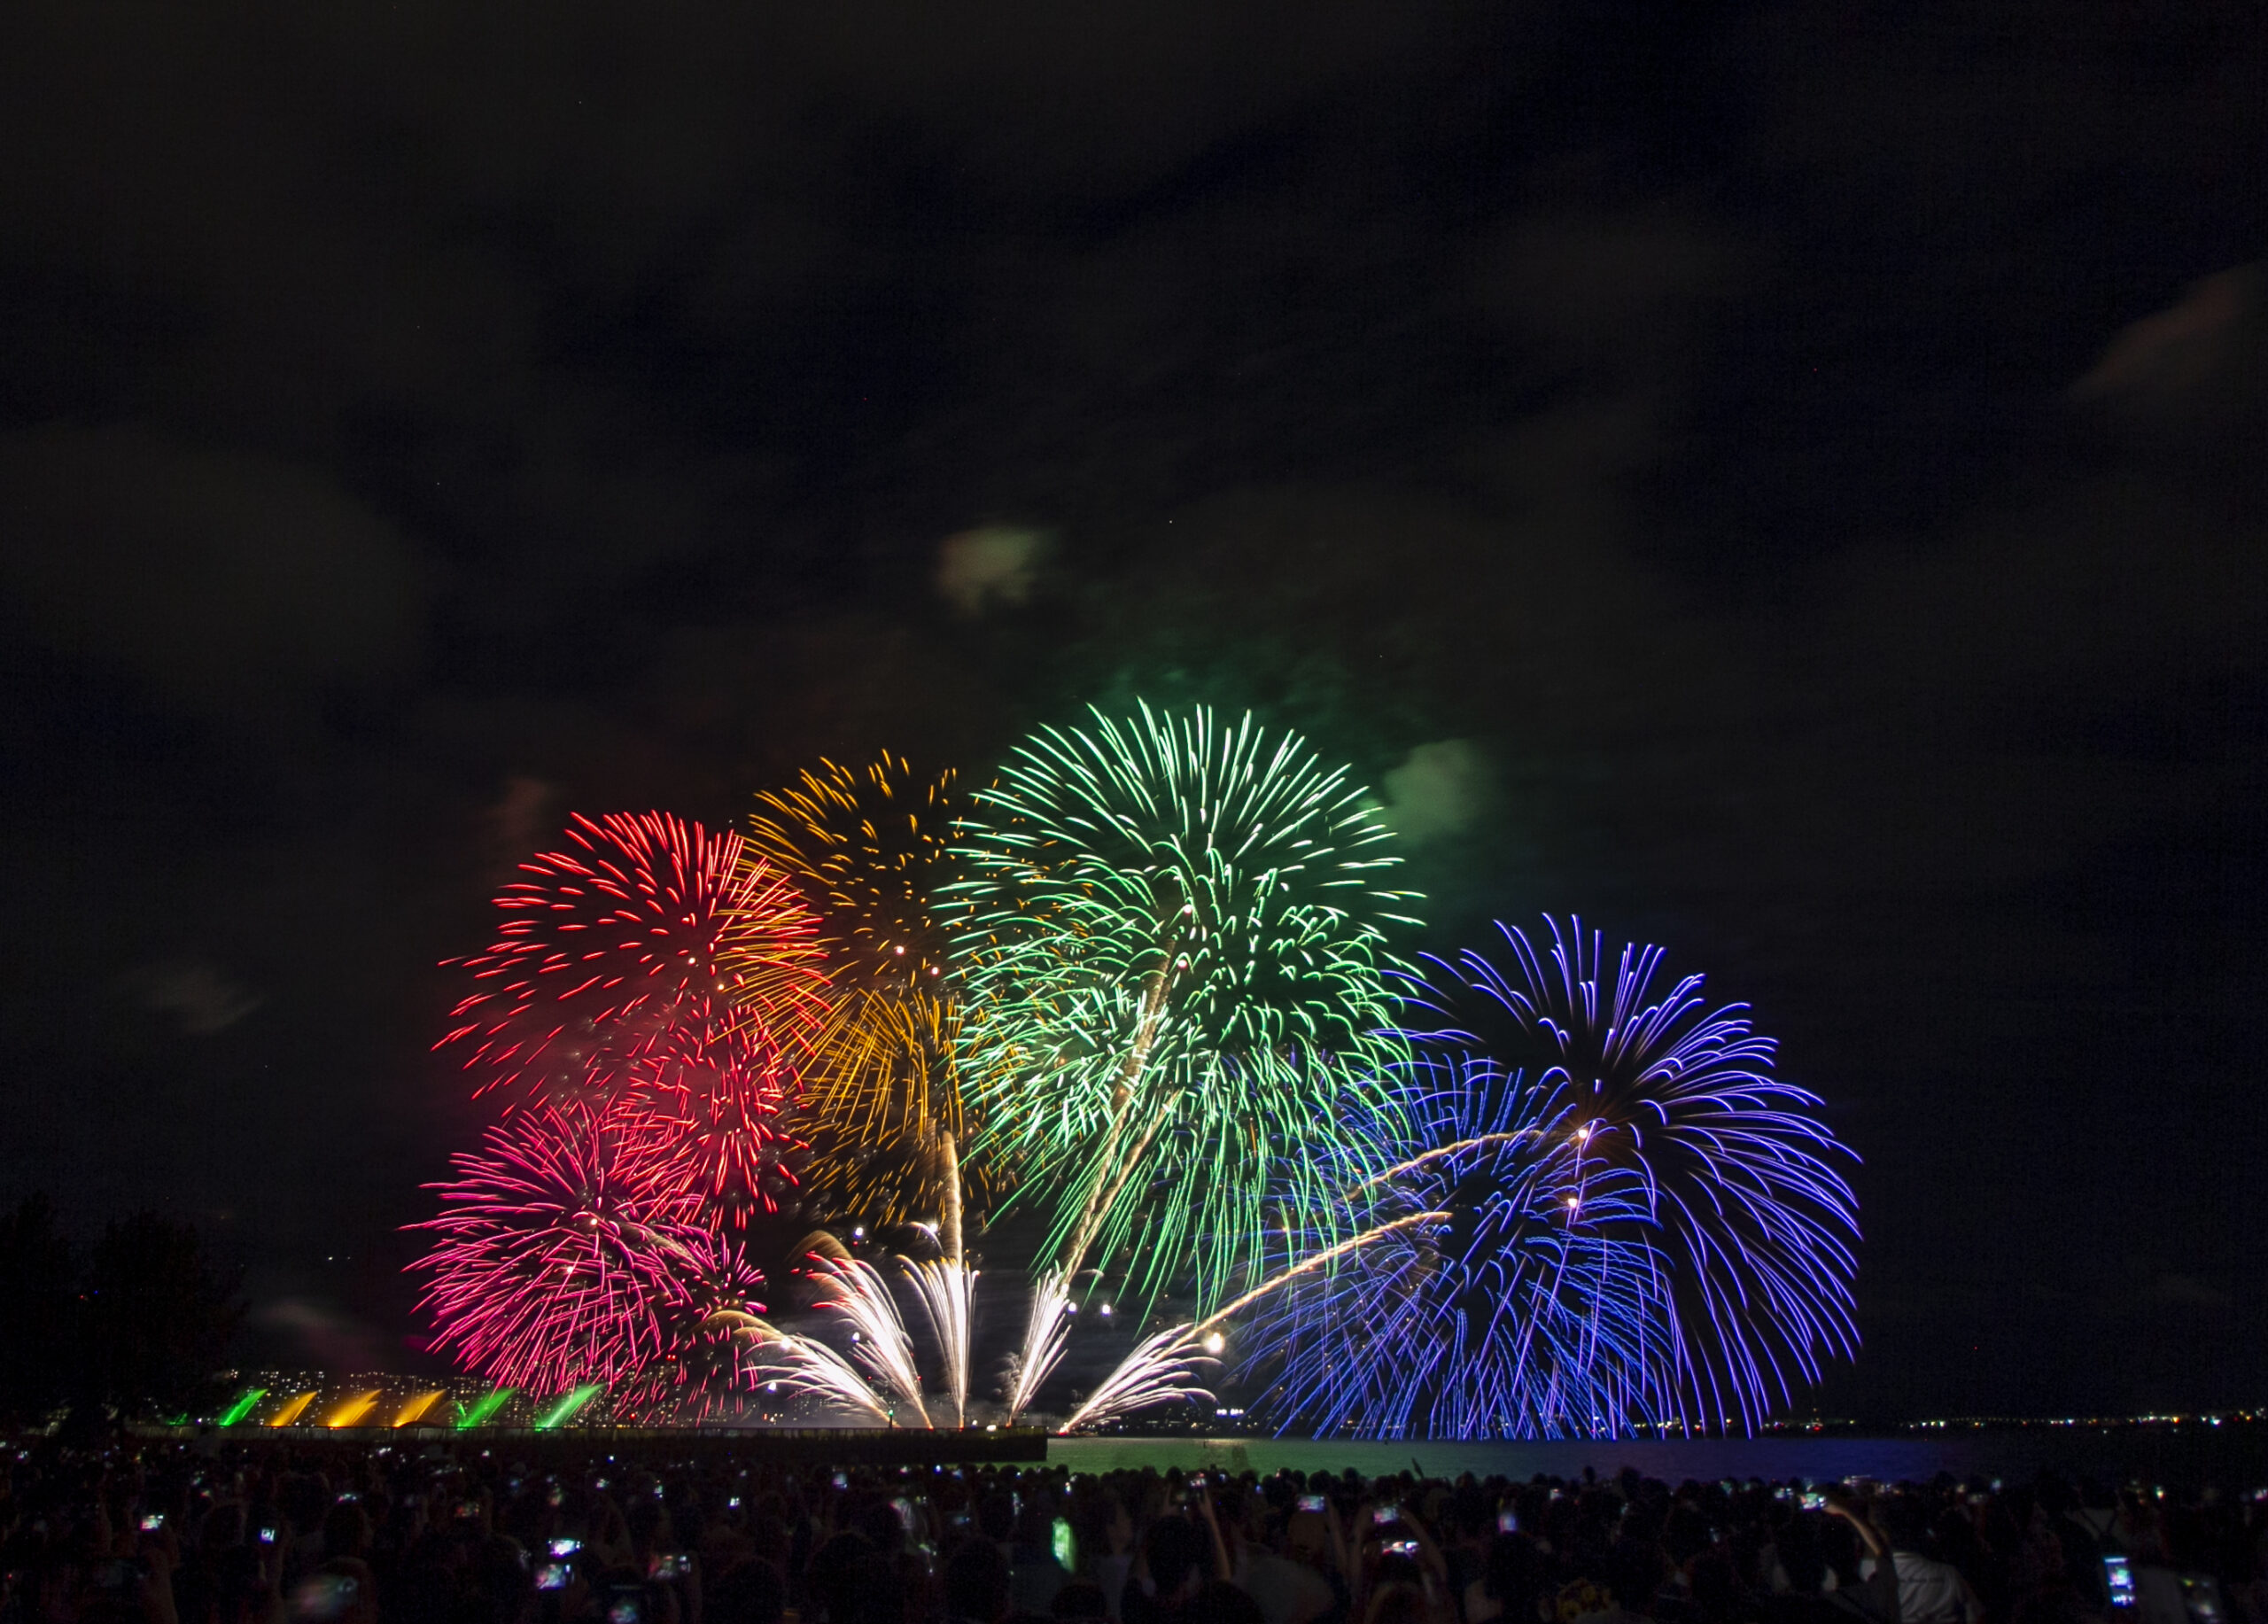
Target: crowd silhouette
223	1532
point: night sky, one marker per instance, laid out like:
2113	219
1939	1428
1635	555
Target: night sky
1786	482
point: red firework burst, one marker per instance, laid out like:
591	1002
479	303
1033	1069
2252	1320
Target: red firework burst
563	1244
706	1369
652	964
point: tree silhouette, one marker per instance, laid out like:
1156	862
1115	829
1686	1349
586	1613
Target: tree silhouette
155	1319
141	1331
38	1330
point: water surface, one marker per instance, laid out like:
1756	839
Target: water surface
2233	1457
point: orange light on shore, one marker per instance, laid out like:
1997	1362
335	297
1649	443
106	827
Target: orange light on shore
293	1408
419	1403
351	1412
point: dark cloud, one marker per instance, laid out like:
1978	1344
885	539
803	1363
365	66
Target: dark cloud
318	1334
202	998
222	580
993	563
1440	788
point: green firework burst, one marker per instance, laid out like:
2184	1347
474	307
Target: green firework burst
1172	937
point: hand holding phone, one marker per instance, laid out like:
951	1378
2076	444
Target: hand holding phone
1312	1502
325	1595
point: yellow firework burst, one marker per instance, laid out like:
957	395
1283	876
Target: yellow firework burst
882	1105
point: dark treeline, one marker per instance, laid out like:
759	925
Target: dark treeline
135	1326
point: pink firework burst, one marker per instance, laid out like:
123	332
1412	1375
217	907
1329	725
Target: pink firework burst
561	1247
711	1333
655	965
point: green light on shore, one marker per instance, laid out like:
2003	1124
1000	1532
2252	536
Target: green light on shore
559	1412
242	1408
485	1406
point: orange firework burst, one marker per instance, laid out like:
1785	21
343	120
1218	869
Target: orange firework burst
883	1110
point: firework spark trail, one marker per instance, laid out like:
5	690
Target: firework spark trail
1158	1371
947	1291
1172	939
883	1108
651	963
813	1368
1493	1310
949	1236
1678	1140
702	1371
1046	1329
1439	1151
1643	1226
554	1248
1314	1261
863	1298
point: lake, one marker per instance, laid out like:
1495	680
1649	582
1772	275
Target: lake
2232	1455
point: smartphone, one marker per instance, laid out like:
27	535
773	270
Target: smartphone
268	1536
553	1575
347	1496
1197	1480
2118	1579
1811	1501
625	1603
469	1509
733	1504
1402	1548
1508	1521
566	1546
151	1521
1312	1502
1382	1515
676	1565
842	1480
